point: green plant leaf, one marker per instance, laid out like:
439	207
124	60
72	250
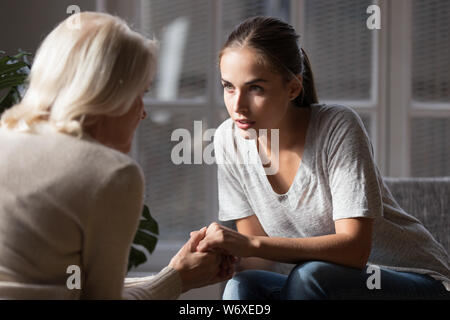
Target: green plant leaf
146	212
4	60
12	68
146	236
150	226
146	240
13	74
11	98
21	55
147	222
6	94
12	81
136	258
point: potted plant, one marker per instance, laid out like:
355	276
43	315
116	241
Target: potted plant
14	71
146	236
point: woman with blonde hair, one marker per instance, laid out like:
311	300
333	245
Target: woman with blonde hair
69	194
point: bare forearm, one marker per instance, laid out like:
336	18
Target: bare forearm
255	263
349	246
336	248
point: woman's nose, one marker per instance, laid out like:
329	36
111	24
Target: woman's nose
240	104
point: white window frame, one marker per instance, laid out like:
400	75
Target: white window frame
403	109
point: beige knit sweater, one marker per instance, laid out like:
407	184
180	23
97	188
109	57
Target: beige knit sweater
70	202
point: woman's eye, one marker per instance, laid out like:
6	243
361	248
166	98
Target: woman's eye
227	86
257	89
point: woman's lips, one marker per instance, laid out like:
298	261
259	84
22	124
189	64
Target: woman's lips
244	124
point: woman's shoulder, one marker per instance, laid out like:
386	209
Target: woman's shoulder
68	166
99	168
66	155
105	159
335	117
333	111
335	123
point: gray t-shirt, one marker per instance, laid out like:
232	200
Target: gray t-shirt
337	179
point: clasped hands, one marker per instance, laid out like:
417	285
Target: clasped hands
209	256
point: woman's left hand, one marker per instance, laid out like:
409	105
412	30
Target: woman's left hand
230	241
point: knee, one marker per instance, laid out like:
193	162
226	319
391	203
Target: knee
254	285
309	280
312	270
239	287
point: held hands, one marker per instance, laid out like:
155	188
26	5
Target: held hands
228	241
198	269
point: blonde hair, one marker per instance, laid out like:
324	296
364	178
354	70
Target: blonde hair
96	69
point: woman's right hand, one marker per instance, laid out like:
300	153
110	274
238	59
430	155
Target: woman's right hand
198	269
228	241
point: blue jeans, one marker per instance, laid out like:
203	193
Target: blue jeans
316	280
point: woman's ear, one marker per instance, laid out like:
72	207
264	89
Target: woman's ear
295	86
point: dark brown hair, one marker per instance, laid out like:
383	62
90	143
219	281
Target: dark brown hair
277	44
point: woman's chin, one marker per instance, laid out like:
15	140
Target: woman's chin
248	134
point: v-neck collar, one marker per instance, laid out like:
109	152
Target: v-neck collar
300	174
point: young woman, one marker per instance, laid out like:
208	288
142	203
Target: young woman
325	208
69	194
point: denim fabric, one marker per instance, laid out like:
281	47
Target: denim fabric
318	280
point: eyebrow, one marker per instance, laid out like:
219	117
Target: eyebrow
249	82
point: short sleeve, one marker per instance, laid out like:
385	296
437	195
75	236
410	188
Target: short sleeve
353	175
233	202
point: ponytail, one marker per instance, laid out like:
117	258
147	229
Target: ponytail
308	96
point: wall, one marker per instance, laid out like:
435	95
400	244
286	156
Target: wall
25	23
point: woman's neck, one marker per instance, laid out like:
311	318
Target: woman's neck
291	133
